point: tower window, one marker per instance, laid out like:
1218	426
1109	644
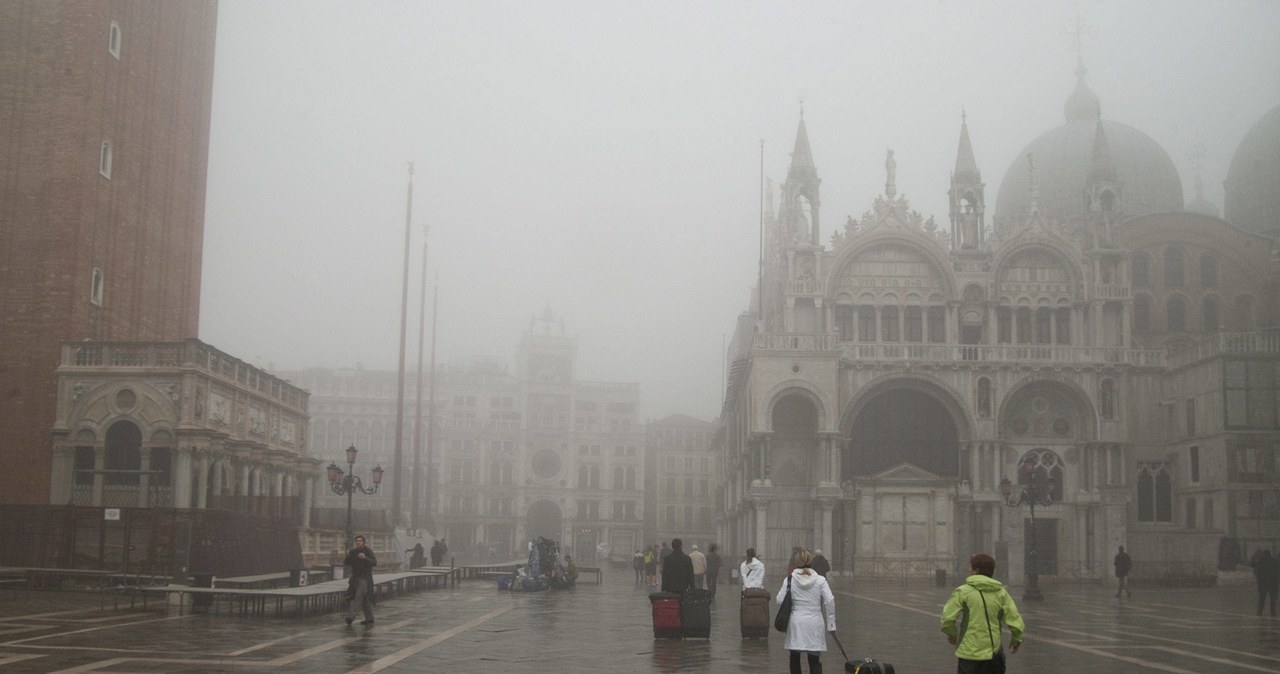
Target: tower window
1209	313
113	40
1155	493
1174	276
1176	316
1208	271
1141	269
1141	314
1195	463
104	160
95	287
1108	399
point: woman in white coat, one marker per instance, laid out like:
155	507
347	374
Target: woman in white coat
810	594
752	571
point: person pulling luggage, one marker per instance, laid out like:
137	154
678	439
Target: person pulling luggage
810	595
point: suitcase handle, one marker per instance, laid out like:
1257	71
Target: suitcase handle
846	655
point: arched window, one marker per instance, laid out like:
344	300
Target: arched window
866	324
843	316
1176	315
1064	325
1208	271
1042	464
1141	269
1043	331
1108	399
1142	313
913	324
889	324
1174	267
1155	493
1244	313
123	453
1209	314
1022	327
1191	513
984	397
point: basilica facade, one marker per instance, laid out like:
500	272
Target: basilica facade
1091	363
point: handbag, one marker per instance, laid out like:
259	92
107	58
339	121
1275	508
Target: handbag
997	654
783	617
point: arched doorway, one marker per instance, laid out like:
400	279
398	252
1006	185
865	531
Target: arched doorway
902	462
902	426
794	467
544	519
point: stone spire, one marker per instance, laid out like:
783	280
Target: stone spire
966	165
891	175
1102	167
1082	104
800	203
802	166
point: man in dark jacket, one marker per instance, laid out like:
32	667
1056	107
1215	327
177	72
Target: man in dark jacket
714	562
677	569
1123	564
360	585
1267	570
820	564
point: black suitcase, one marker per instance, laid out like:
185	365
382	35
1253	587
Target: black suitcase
863	666
695	614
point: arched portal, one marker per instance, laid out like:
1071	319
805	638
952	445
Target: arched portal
544	519
902	426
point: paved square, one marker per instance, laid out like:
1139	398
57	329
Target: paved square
606	628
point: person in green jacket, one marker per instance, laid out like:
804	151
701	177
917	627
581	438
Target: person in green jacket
977	641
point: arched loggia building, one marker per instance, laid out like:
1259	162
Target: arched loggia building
883	385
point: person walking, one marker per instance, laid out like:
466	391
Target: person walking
820	564
662	557
1266	569
435	553
713	568
986	605
677	569
810	595
751	571
699	567
360	584
651	564
637	565
1123	564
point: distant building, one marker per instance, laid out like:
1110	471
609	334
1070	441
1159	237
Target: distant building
682	480
1097	346
102	194
515	455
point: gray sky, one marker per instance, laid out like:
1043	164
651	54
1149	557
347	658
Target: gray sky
603	157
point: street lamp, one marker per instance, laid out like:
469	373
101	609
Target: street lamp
1036	490
348	484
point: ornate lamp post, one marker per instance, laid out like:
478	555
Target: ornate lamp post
348	484
1036	490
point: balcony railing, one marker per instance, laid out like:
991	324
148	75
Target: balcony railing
1001	353
1111	291
1227	343
189	353
786	342
803	287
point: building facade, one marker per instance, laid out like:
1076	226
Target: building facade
515	453
102	190
1096	345
682	480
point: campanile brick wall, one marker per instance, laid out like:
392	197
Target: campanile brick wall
62	93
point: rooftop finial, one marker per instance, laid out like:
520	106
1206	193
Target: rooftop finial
891	169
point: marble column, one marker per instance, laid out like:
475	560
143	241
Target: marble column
308	495
62	477
182	478
144	480
762	518
824	538
202	479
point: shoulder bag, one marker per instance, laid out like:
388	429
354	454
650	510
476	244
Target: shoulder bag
783	617
997	650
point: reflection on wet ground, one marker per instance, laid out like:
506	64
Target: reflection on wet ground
606	627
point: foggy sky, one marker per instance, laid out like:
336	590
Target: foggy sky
603	158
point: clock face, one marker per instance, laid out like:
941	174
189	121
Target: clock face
546	464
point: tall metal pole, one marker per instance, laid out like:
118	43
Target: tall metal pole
760	280
415	512
431	409
398	461
348	482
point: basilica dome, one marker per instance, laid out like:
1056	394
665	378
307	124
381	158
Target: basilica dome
1149	182
1253	179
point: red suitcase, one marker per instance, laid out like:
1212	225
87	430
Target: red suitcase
666	615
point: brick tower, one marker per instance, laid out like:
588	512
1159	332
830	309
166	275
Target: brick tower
106	110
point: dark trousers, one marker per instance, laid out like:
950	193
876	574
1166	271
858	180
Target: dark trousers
1263	593
815	665
712	581
974	666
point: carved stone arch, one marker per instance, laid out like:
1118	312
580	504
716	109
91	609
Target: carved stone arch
949	397
974	292
801	388
1084	405
152	409
1063	255
936	255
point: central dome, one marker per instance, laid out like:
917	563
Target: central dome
1149	182
1253	180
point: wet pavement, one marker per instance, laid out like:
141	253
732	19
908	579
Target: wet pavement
606	628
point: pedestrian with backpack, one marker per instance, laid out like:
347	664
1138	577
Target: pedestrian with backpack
985	607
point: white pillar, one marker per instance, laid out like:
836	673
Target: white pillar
825	538
762	516
144	479
182	478
62	477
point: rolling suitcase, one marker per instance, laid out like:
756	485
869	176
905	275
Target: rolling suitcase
863	666
695	614
666	615
754	613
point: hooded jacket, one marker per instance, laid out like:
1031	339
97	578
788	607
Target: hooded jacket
752	573
963	617
807	630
